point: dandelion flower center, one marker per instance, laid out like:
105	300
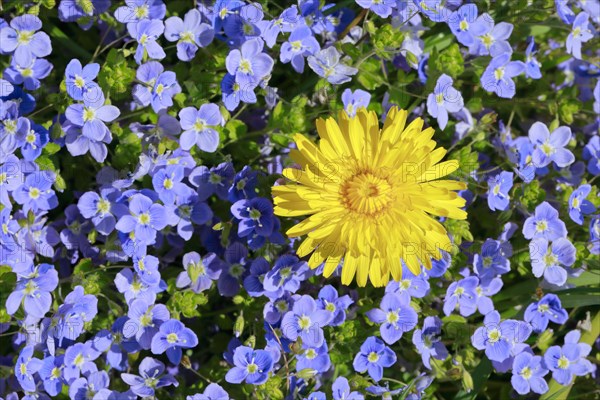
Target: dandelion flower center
371	196
366	194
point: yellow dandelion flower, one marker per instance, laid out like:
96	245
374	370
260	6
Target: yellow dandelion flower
371	195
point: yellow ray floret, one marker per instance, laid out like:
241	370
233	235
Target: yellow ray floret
370	196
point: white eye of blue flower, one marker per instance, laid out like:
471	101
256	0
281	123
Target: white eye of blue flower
55	374
281	306
311	354
79	82
499	73
236	270
296	45
563	362
526	373
215	179
392	317
172	338
30	138
150	382
34	193
550	259
144	39
487	40
304	322
547	148
30	288
103	206
373	357
541	226
186	37
245	66
487	261
26	72
254	214
24	37
89	114
199	125
252	368
144	218
543	308
494	335
439	98
405	284
10	126
196	270
464	25
142	11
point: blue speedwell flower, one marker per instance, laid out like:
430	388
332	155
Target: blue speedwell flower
28	75
172	337
151	378
199	272
580	33
144	219
579	205
352	101
212	392
497	77
462	293
427	341
460	22
373	357
251	366
136	10
146	32
498	188
306	321
198	126
22	38
92	115
549	261
80	80
569	360
493	259
395	315
549	308
443	100
498	338
528	374
544	223
550	147
327	64
189	33
300	44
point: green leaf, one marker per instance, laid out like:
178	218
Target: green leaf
480	376
370	75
